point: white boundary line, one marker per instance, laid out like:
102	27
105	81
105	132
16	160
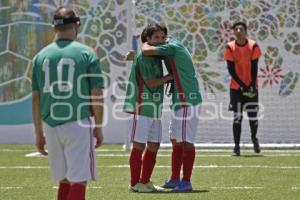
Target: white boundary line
231	145
89	187
281	150
37	154
10	188
296	188
167	166
213	188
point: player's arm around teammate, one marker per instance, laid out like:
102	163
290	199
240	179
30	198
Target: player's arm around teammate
186	99
144	102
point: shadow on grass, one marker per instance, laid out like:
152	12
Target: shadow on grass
170	192
252	156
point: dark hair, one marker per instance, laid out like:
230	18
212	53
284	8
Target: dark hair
144	35
63	16
152	28
243	24
164	29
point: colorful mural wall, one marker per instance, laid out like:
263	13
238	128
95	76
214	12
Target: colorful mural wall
111	26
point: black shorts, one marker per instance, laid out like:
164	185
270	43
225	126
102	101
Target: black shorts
240	103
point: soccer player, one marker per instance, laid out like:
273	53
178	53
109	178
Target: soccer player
242	56
186	99
66	92
144	98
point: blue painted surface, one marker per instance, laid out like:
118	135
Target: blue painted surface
16	113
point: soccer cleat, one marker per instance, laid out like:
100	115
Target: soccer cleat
236	151
183	186
142	188
153	187
133	188
170	183
256	146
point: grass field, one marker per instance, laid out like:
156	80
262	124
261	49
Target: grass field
275	174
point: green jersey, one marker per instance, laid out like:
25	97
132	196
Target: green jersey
186	87
140	99
64	73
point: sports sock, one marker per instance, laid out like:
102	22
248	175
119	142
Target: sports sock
237	127
77	192
63	191
253	124
188	159
148	163
135	162
176	161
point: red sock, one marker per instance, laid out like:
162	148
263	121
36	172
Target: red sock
63	191
148	163
176	161
135	162
188	162
77	192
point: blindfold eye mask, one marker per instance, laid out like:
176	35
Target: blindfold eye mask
62	21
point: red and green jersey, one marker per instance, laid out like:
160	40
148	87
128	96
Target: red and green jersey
242	57
64	73
140	99
186	91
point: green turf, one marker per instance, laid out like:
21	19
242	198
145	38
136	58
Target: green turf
227	181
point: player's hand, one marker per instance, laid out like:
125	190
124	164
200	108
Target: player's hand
99	137
170	77
130	55
40	142
249	92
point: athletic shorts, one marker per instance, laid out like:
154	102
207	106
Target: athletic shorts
144	129
240	103
71	151
184	123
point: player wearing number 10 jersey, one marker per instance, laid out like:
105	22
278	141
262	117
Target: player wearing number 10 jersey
66	90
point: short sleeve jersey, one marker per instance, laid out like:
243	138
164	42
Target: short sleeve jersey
242	57
64	73
186	91
140	99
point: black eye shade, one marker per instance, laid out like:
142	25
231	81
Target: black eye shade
61	21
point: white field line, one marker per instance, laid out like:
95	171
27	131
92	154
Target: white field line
167	166
218	166
37	154
296	188
10	188
34	154
291	150
169	150
204	156
237	188
89	187
213	188
24	167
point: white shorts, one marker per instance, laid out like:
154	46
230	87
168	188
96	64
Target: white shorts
71	151
144	129
183	124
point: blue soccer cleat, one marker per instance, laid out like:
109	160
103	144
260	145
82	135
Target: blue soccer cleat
170	183
183	186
